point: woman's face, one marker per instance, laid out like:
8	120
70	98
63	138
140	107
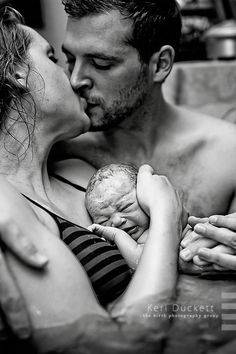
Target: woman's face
61	110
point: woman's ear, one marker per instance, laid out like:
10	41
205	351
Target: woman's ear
20	76
161	63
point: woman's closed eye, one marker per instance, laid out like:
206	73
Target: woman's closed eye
51	54
53	58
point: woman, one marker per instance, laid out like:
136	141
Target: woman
38	109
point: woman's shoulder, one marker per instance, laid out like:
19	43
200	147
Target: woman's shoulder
12	203
15	208
75	170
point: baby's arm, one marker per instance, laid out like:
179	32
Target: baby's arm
130	249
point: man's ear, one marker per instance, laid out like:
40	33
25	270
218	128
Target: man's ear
161	63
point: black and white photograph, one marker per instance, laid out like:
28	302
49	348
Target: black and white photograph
117	176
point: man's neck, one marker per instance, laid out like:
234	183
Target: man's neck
135	140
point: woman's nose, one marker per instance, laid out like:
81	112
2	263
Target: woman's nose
118	221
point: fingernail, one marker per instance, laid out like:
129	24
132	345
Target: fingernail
186	254
40	258
200	228
183	243
213	219
204	252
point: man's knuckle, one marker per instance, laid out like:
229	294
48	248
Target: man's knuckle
232	241
215	257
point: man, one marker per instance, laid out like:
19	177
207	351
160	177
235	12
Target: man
119	53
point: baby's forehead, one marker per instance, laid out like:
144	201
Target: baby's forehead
115	180
117	188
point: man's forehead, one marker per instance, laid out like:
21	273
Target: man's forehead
109	27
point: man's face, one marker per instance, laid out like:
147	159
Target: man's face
104	69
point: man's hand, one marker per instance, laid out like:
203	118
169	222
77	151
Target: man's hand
213	242
153	189
11	302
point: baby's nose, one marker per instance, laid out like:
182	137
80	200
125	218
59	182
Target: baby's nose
118	221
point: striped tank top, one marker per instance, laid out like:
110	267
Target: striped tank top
108	272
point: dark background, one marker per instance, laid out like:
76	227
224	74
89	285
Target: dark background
30	9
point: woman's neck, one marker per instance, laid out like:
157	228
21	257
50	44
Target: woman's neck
26	168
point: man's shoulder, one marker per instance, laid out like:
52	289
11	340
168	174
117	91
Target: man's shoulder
211	128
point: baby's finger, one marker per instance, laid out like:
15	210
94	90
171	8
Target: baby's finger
189	238
192	248
107	232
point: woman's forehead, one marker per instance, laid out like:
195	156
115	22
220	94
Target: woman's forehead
36	38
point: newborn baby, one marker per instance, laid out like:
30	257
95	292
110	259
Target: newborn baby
113	206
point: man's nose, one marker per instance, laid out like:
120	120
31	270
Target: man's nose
80	82
118	221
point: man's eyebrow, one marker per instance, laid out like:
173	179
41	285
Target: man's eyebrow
93	55
102	56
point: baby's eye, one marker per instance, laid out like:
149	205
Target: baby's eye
125	207
103	222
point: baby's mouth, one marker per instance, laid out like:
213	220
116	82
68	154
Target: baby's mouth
131	230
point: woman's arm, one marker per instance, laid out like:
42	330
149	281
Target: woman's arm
57	297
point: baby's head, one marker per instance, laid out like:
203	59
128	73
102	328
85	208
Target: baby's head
111	199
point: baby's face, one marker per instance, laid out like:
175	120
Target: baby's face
115	204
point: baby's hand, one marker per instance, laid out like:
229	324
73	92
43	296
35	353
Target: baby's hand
130	249
107	232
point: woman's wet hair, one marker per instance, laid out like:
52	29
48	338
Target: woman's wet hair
14	96
155	22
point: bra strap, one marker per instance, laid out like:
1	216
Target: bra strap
65	180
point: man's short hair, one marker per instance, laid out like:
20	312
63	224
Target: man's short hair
155	22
